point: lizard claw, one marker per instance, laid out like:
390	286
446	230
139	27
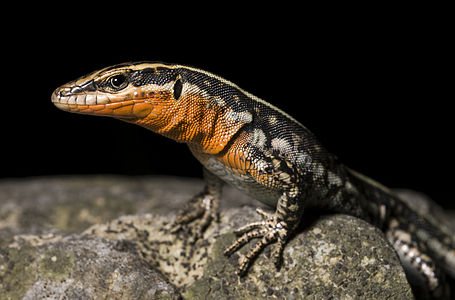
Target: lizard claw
270	230
201	207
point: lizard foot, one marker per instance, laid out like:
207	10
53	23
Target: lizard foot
270	230
203	207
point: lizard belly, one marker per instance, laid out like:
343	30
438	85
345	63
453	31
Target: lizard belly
240	180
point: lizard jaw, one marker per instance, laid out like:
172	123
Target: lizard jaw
100	104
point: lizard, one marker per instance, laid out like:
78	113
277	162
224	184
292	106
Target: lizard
249	143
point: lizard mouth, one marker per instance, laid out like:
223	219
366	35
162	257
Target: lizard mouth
101	104
67	95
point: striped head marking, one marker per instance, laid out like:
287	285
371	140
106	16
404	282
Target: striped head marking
126	91
182	103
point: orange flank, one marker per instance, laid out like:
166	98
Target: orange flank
235	158
191	119
240	162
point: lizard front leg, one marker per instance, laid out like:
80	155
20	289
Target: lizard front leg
202	208
274	228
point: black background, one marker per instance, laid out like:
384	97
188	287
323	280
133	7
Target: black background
374	84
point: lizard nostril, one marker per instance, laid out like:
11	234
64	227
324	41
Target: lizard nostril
64	92
60	94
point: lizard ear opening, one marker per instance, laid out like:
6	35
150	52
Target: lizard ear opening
178	86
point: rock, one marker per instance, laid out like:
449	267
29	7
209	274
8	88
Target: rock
425	206
77	267
338	256
108	237
71	204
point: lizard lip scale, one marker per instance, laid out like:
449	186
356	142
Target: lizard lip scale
65	96
69	96
247	142
72	99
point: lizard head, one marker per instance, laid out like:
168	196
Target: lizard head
127	91
185	104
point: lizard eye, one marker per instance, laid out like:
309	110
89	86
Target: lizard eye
177	89
118	82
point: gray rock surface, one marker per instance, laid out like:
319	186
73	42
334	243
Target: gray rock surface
108	237
78	267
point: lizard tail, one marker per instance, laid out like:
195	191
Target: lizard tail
424	248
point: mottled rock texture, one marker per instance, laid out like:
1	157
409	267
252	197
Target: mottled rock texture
107	237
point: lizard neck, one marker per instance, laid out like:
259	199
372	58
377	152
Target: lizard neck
204	126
